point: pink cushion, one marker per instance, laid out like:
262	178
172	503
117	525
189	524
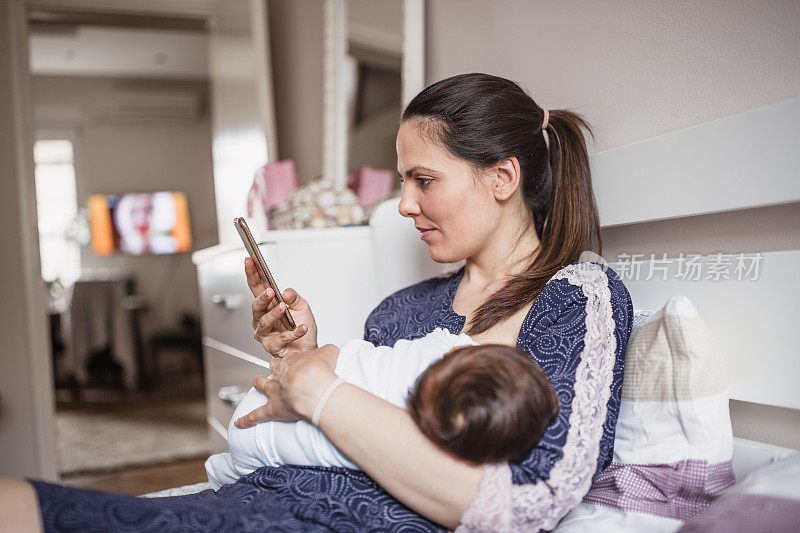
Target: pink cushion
370	184
272	184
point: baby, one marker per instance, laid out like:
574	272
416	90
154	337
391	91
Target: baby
481	403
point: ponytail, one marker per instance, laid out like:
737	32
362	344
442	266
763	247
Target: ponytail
573	221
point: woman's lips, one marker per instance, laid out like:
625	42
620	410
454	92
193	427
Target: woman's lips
424	232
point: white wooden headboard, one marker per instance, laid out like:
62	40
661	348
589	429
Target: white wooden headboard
751	159
749	300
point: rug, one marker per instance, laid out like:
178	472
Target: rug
99	438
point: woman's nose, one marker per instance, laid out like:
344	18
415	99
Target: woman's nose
408	204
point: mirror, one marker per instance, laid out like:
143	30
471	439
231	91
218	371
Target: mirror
373	69
373	66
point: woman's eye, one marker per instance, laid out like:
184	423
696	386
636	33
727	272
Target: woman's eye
422	181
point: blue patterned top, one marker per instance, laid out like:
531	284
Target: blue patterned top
295	498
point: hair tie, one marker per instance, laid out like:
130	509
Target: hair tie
546	119
323	400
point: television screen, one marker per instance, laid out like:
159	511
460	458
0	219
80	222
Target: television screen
140	223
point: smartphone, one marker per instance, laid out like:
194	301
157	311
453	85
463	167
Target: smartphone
261	266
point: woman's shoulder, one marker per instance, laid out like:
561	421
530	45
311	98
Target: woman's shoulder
583	283
588	276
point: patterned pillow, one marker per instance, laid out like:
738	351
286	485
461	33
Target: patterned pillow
766	500
317	204
673	445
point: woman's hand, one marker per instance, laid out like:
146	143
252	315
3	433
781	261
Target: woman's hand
270	327
297	383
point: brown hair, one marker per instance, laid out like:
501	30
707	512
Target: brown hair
486	404
484	119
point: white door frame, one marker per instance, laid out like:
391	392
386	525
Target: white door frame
38	336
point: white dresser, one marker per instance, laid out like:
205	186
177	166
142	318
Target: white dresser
334	269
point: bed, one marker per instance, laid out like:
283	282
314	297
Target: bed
716	161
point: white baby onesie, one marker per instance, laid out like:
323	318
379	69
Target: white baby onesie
385	372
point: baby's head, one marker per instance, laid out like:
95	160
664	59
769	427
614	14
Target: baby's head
485	404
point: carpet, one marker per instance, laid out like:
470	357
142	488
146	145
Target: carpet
98	438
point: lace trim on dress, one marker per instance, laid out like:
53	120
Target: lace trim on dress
502	506
490	509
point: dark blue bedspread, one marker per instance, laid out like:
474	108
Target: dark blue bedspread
299	498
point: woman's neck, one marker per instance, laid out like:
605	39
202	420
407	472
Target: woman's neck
504	256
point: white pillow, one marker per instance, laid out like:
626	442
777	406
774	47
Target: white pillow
673	443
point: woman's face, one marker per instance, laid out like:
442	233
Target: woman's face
454	211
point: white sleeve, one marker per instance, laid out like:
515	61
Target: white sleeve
389	372
221	470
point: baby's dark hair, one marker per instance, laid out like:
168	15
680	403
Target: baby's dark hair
485	404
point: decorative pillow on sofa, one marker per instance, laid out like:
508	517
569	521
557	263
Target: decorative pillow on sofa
768	500
673	445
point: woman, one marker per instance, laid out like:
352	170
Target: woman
483	183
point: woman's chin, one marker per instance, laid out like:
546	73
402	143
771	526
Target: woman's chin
442	256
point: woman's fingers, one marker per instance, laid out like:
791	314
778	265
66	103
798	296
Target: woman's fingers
274	368
294	300
289	296
266	302
263	303
274	409
272	341
296	333
261	414
255	416
254	281
276	343
261	383
266	324
292	335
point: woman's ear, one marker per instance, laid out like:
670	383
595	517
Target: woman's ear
506	176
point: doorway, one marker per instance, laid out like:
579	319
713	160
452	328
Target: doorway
120	107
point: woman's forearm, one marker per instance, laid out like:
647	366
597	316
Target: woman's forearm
384	441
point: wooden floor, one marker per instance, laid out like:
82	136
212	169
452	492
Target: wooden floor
143	479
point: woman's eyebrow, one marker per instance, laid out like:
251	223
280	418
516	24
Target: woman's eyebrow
410	172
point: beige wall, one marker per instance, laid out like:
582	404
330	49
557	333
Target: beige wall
116	156
635	68
296	39
638	69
